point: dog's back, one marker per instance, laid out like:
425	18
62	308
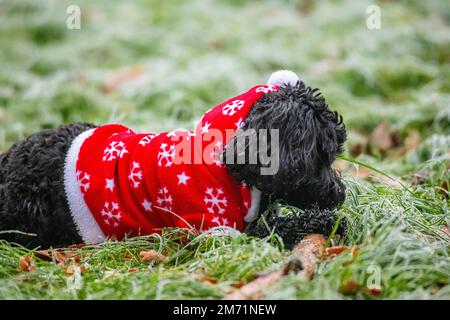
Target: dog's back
32	198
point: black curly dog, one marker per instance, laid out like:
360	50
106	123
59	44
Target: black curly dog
32	196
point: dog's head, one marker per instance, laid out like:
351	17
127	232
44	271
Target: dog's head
310	136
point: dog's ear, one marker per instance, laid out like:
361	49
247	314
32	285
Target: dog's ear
328	126
332	135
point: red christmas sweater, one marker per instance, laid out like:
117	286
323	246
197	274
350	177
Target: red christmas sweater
121	183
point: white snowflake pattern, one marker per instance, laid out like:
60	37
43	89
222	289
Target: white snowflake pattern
188	134
265	89
232	107
215	200
220	221
110	184
216	220
146	140
166	154
164	199
115	150
172	133
111	214
135	176
239	124
84	181
215	154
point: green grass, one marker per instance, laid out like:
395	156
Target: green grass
193	55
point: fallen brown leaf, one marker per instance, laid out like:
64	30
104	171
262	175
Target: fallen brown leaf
77	246
26	263
152	255
349	287
308	253
419	178
412	141
444	189
305	7
215	43
305	255
383	138
255	290
72	268
239	284
43	255
210	280
121	77
375	291
128	256
356	150
333	251
355	252
60	255
361	173
73	256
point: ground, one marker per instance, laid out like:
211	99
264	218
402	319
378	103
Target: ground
157	65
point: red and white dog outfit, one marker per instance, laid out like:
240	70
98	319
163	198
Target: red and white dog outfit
121	183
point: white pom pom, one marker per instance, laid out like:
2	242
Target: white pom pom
283	77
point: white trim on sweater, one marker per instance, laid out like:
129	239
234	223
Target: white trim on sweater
85	222
253	212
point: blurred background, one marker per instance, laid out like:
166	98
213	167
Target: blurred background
158	65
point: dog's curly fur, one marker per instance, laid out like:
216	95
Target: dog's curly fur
33	200
293	227
32	195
